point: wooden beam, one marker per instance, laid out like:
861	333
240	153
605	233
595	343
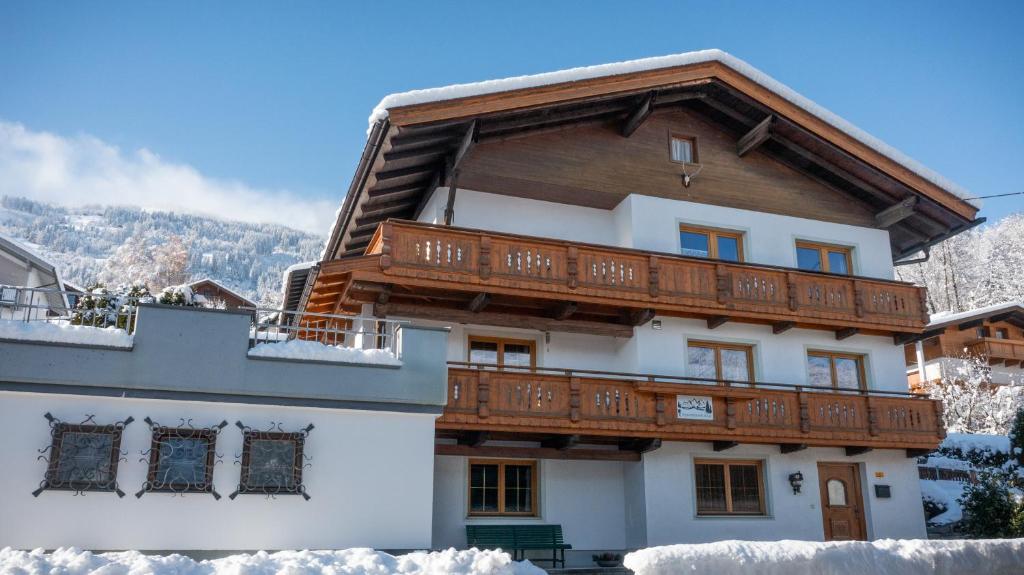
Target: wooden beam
561	442
782	326
971	324
857	450
639	115
905	338
565	310
848	332
792	447
453	173
996	361
473	438
639	317
896	213
535	453
509	320
717	321
915	453
640	445
478	303
755	137
723	445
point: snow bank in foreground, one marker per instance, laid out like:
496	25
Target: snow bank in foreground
902	557
946	493
65	333
311	350
345	562
977	441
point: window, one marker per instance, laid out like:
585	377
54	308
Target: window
720	361
729	487
823	258
711	243
181	460
84	457
683	149
1002	333
838	370
981	332
836	490
502	487
272	462
505	352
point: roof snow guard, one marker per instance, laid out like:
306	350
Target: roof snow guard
416	139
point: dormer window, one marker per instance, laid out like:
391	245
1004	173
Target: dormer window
683	149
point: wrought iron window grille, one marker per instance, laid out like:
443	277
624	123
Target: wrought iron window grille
82	457
181	459
272	461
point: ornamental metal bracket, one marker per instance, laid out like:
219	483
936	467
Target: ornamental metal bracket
82	456
181	459
272	461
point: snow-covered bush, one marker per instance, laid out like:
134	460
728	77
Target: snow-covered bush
179	295
991	510
1016	436
102	307
970	402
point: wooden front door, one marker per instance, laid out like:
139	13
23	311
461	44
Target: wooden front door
842	506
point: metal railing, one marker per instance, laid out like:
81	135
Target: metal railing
275	325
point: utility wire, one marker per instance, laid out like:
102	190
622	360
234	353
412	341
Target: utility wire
996	196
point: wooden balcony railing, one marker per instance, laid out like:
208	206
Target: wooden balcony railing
669	284
590	403
998	351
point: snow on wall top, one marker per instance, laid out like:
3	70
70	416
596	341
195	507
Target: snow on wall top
944	317
702	56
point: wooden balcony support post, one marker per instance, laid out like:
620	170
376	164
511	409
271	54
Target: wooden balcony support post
484	261
572	267
574	399
730	413
940	422
791	292
483	394
386	235
722	284
659	409
652	276
805	412
858	298
872	417
922	297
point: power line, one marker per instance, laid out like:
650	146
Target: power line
995	196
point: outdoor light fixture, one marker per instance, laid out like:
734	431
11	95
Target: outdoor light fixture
796	480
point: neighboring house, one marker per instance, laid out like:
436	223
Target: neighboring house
22	268
670	290
217	295
73	293
994	334
650	302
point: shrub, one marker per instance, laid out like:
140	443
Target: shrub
990	509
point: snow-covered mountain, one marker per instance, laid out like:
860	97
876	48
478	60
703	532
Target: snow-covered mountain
81	241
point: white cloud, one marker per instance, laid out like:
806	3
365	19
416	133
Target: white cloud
86	170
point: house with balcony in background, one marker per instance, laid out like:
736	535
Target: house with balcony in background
218	295
993	334
649	302
671	301
22	266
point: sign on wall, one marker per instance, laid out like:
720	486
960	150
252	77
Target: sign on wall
695	407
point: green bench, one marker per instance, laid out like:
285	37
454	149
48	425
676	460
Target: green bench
519	539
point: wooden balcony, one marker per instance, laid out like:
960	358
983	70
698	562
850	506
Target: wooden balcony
997	351
596	407
421	270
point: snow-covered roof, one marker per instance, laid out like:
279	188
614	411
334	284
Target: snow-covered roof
646	64
945	318
293	281
223	287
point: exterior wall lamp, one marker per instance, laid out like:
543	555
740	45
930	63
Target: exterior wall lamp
796	480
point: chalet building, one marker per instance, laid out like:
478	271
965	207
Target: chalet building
669	285
220	296
650	302
20	266
994	334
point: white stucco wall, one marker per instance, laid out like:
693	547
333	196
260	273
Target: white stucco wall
370	479
587	498
671	499
650	223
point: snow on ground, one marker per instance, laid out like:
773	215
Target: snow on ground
311	350
72	561
630	66
978	441
946	493
898	557
65	333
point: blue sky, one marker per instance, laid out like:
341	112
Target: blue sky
271	99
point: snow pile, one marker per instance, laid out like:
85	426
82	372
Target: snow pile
65	333
905	557
72	561
950	317
977	442
315	351
944	493
688	58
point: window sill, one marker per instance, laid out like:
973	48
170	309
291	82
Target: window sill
735	516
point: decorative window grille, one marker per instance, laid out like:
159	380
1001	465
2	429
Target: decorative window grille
272	461
181	459
82	457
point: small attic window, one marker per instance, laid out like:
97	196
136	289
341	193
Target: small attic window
682	149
